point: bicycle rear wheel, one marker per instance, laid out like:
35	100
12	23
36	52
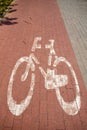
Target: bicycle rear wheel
18	109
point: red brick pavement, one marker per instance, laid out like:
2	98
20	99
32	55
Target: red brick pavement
38	18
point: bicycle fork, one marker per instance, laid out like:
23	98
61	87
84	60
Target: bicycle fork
52	80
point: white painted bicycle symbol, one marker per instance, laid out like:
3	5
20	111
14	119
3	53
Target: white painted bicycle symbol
51	79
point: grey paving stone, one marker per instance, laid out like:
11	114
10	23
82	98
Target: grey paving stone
74	13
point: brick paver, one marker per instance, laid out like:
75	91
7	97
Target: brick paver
32	19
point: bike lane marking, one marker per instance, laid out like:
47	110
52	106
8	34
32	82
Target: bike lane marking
50	26
52	81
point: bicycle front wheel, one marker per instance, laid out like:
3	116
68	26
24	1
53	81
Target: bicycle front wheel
71	108
18	109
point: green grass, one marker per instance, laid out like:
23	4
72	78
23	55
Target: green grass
4	4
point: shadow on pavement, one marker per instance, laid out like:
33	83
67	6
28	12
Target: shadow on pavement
13	5
10	10
9	20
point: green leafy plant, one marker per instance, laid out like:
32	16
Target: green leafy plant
4	4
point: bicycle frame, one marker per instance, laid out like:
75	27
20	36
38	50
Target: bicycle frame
52	81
